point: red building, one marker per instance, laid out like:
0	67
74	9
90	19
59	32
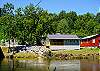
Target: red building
90	41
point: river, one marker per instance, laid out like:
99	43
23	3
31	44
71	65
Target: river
49	65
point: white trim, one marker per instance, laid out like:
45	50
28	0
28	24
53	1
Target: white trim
64	38
67	47
89	36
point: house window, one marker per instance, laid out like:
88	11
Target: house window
71	42
93	40
57	42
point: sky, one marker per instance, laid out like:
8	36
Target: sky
55	6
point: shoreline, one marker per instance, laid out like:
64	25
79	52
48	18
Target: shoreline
85	53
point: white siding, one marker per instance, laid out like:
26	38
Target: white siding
65	47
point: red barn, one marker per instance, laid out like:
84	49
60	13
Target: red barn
90	41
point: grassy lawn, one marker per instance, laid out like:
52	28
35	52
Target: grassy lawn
85	53
81	51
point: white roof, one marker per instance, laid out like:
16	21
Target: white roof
90	36
62	36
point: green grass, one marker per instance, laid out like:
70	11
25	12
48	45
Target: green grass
85	53
81	51
25	55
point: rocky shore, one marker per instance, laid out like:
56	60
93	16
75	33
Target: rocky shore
85	53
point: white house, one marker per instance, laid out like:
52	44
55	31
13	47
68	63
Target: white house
63	41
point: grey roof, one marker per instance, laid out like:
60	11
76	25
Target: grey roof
62	36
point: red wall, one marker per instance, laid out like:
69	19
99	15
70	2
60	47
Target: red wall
89	42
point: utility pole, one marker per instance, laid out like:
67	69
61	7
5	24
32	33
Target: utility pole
38	3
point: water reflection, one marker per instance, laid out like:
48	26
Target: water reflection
69	65
89	65
49	65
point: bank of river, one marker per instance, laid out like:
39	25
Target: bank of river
40	64
62	60
85	53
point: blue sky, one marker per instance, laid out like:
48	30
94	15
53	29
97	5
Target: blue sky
55	6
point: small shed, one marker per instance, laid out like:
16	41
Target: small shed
63	41
90	41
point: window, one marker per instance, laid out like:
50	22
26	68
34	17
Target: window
93	40
57	42
71	42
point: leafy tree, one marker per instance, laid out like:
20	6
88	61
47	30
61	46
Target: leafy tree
98	17
63	27
8	9
32	24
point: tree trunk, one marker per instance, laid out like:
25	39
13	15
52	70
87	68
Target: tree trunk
9	47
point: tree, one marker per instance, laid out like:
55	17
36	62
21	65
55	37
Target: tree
97	17
63	27
62	15
8	20
32	24
8	9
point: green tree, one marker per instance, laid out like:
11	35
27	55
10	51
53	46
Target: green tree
63	27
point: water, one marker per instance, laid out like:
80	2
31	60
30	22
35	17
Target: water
48	65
